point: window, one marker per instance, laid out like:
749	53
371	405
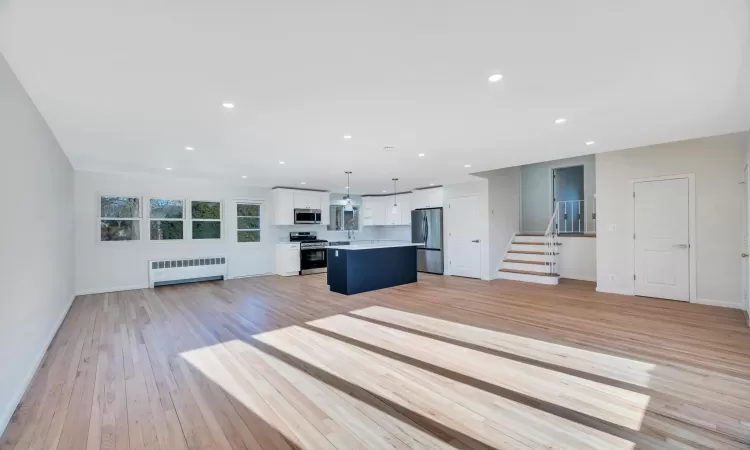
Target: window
119	218
206	223
344	220
167	219
248	222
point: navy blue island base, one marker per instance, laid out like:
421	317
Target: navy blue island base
351	271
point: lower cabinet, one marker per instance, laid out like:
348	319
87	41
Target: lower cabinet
287	259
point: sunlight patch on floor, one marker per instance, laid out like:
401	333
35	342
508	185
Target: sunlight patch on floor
242	372
612	367
481	415
615	405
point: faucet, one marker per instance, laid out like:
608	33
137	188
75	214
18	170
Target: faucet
350	234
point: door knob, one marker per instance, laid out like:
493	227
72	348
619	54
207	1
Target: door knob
745	255
476	241
681	246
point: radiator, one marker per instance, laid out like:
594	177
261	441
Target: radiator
176	271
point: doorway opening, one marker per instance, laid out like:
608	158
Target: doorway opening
568	195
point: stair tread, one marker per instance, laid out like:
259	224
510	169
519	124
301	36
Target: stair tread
529	243
521	261
526	272
531	234
524	252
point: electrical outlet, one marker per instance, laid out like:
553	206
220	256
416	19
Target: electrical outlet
611	277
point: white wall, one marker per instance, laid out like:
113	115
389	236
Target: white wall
36	235
504	203
480	188
577	259
111	266
536	190
717	163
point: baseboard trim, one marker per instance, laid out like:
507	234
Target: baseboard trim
613	291
112	289
8	414
703	301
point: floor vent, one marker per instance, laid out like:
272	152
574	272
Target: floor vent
186	270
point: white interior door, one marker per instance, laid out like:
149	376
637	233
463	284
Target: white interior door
462	227
662	239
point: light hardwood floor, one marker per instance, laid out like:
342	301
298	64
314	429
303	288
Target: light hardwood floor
275	362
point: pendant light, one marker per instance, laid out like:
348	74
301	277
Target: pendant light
394	210
348	207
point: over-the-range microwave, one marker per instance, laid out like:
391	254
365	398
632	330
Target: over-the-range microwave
307	216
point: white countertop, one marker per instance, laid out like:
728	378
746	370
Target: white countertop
373	245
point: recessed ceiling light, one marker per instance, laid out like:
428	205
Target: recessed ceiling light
561	120
303	182
282	162
421	155
385	191
348	136
167	168
189	148
244	176
590	143
495	78
432	184
228	105
467	165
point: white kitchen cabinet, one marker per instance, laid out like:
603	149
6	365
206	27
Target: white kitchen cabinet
283	207
427	198
287	259
306	200
325	208
404	206
373	211
403	214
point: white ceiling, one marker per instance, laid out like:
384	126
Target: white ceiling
126	85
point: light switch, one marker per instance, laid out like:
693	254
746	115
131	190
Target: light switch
612	227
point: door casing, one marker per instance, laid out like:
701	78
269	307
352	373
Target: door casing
691	228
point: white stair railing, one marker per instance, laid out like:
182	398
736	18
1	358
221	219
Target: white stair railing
550	240
576	216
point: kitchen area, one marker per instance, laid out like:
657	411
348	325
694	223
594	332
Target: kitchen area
369	241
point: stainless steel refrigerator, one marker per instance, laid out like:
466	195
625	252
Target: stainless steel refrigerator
427	229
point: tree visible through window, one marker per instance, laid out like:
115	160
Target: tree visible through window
119	218
248	222
167	219
206	221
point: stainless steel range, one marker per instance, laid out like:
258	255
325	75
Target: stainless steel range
312	252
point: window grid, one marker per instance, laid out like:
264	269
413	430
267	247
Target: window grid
195	220
248	233
153	219
110	223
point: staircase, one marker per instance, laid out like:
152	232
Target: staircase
533	257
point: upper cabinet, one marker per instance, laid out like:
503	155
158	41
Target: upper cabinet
283	207
373	211
285	201
427	198
379	210
325	208
307	200
404	206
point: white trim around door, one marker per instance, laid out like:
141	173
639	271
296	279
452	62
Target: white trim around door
691	225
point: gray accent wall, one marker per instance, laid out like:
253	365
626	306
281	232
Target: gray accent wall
536	190
36	236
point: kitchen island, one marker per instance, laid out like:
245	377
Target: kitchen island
363	267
